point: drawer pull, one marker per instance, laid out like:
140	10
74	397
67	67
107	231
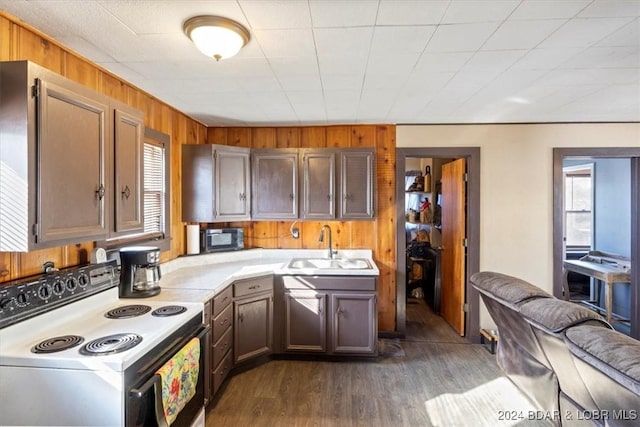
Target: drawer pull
223	322
254	287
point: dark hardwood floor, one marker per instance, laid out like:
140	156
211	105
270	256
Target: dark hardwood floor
430	378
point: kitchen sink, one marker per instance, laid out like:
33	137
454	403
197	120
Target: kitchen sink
325	263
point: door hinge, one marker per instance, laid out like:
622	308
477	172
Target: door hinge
35	89
465	242
35	229
465	307
465	177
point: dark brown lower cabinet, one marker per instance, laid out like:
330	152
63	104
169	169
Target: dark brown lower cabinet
253	318
333	315
219	359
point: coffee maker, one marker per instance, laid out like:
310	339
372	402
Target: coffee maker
139	272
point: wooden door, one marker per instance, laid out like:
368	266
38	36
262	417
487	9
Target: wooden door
128	152
357	179
275	184
305	321
253	320
72	135
318	181
232	184
453	258
354	323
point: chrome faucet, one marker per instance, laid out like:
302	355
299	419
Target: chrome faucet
321	239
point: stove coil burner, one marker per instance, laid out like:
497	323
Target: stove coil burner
55	344
110	344
127	311
168	310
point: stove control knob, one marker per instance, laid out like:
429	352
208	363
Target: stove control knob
22	300
72	284
58	287
5	302
44	292
83	280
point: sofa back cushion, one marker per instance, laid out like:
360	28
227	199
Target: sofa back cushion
507	289
554	316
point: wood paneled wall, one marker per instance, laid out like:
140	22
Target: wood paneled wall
21	42
378	235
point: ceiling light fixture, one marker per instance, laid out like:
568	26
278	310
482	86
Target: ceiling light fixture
215	36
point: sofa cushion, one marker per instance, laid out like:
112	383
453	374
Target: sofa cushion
507	289
613	353
554	315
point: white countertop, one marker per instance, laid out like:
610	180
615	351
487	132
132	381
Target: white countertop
211	273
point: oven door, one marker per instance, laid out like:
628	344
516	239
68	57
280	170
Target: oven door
144	389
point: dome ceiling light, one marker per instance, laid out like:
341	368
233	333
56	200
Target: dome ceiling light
216	36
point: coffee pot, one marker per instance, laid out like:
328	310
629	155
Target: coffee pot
139	272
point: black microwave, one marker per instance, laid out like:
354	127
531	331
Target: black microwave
221	239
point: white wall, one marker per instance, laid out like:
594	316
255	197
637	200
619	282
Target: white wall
516	186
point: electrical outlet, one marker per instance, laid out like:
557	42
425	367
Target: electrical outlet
295	232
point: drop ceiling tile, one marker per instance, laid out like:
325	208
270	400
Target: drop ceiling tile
407	12
38	17
460	37
156	70
209	86
265	83
384	81
629	35
522	34
572	77
472	79
605	57
295	83
276	14
468	11
310	98
548	9
611	8
400	64
281	43
393	40
436	62
342	82
584	32
421	82
350	64
294	66
546	59
343	41
338	13
122	71
341	99
495	60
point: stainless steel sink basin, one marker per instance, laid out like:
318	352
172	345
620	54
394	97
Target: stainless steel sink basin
325	263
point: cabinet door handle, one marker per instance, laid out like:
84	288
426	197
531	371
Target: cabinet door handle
243	196
126	192
223	322
100	192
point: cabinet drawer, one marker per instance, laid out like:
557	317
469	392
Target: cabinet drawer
253	286
221	372
221	301
222	346
222	323
341	283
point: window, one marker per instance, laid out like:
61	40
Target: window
578	208
154	188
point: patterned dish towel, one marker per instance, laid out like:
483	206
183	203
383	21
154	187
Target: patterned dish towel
179	379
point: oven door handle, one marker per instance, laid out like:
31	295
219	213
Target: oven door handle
155	379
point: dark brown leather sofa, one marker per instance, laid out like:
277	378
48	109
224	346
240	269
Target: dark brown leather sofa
570	363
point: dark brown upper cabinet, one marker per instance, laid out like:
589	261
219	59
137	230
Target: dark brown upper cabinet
215	183
128	131
274	184
53	157
356	183
318	184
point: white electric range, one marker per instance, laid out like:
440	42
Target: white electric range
73	353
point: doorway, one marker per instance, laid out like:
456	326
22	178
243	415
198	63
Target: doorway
471	305
599	237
